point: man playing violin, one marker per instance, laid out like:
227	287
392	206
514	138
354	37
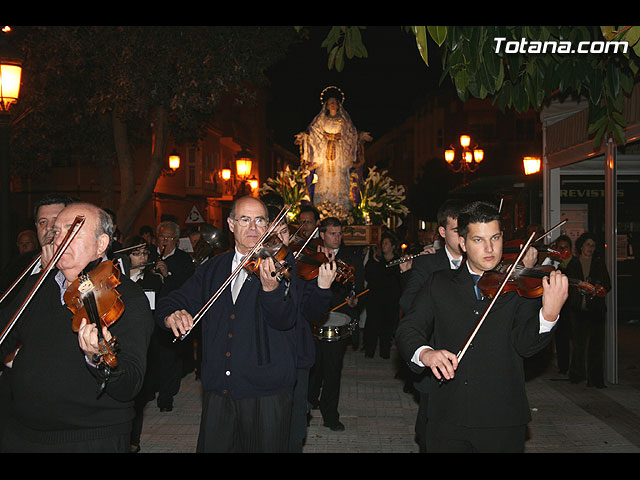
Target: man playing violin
249	341
478	403
57	405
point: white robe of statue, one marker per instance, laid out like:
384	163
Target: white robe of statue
332	145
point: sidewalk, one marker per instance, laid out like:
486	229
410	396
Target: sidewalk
379	416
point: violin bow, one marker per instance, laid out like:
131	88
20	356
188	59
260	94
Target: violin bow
299	252
236	270
71	233
22	275
550	230
493	300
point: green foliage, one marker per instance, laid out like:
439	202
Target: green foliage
75	76
344	42
526	78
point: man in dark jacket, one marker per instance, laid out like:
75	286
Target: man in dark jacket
326	374
481	404
449	257
249	342
63	397
166	358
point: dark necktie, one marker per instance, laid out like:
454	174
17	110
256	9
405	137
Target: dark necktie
476	279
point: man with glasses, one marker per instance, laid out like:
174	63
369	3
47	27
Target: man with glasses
249	340
166	357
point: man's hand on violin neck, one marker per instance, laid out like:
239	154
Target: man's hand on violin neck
88	338
267	275
555	289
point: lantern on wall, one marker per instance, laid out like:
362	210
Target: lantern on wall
531	165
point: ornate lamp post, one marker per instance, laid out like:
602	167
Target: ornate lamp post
10	74
469	160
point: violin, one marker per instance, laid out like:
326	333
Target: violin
272	247
512	247
93	296
309	260
527	282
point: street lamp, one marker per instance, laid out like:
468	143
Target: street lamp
469	161
531	165
243	164
10	74
173	163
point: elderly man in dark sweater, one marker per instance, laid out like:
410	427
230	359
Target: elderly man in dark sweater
249	342
57	403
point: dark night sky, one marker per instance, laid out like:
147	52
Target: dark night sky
380	90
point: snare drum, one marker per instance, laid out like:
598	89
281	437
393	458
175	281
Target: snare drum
337	327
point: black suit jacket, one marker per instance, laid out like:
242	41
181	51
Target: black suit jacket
181	268
488	388
351	256
422	268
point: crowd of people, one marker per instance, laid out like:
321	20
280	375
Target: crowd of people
269	348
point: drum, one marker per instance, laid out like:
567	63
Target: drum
337	327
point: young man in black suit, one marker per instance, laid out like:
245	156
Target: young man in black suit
481	403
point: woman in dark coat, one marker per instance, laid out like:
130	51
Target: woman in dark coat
588	314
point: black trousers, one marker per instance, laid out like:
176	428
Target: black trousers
164	367
382	319
17	439
448	438
325	378
587	361
299	412
252	425
562	338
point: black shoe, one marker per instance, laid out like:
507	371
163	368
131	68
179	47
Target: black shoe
134	448
336	427
166	409
315	405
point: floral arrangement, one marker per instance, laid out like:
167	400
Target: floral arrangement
379	199
330	209
291	185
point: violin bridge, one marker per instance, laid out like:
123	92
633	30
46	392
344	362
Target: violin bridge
86	285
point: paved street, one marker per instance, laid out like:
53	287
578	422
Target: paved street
379	416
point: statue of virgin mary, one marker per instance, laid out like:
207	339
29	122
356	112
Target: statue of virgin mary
333	147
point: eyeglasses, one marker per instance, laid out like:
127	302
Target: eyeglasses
246	221
166	237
